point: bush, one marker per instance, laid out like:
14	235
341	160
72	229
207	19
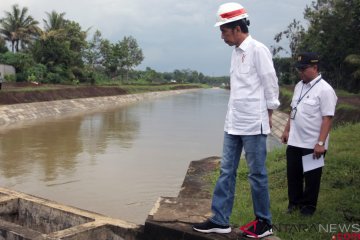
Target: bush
36	73
10	78
53	78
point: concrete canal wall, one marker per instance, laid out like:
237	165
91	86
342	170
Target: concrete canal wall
18	113
23	217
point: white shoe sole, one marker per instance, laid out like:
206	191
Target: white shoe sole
214	230
265	234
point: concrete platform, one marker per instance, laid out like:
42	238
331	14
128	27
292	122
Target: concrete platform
23	216
172	218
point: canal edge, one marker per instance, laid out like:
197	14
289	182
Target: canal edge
172	217
15	114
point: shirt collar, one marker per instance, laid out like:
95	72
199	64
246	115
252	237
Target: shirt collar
245	44
312	82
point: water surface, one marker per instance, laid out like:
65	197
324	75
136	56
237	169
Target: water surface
115	162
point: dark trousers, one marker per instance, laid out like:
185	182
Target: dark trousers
298	194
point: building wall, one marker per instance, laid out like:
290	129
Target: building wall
6	70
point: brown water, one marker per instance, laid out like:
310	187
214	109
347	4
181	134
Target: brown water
116	162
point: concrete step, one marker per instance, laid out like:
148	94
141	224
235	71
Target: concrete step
172	217
24	216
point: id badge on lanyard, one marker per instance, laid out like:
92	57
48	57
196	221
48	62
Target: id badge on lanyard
294	110
293	113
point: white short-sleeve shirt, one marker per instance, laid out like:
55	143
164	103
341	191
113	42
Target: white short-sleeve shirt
254	89
316	103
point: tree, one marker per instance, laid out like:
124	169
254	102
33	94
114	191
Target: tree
60	48
294	34
54	21
334	32
92	52
121	57
109	59
130	53
150	75
352	63
54	26
21	61
3	47
18	27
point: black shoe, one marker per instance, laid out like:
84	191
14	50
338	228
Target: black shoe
210	227
258	229
307	211
292	208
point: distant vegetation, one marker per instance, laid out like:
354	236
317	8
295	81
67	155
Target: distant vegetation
62	52
334	32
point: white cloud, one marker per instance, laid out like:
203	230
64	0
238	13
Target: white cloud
173	34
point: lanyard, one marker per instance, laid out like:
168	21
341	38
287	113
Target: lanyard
301	97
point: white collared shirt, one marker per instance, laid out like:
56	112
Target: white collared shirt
316	103
254	89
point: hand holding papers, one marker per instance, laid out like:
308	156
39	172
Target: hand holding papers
309	163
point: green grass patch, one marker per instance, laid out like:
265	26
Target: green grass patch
343	93
339	199
346	107
131	88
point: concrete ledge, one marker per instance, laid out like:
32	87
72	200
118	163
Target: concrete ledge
279	120
172	218
24	216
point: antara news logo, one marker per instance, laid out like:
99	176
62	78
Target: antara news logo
350	231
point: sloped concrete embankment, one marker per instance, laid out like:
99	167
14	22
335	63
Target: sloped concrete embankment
17	113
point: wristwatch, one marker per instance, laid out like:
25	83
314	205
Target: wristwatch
320	143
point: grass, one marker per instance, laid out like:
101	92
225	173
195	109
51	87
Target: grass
131	89
343	93
346	107
339	199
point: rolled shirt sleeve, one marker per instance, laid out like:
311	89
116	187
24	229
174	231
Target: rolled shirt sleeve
328	100
267	74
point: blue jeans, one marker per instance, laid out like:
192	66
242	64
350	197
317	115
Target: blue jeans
255	155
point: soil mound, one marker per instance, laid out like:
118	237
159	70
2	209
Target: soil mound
17	93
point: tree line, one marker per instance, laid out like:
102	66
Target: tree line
60	52
334	32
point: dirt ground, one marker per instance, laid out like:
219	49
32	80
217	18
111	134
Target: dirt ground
12	93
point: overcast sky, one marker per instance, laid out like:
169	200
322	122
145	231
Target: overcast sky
172	34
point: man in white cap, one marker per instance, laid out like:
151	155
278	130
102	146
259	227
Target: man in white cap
253	96
307	134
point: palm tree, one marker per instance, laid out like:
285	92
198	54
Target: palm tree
54	26
18	27
55	21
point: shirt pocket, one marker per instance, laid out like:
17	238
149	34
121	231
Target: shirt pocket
243	68
311	107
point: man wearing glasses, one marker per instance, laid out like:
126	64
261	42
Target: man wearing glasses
307	134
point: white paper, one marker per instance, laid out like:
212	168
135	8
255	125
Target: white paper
310	164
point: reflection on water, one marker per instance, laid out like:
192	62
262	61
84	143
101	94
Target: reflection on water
53	147
116	162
